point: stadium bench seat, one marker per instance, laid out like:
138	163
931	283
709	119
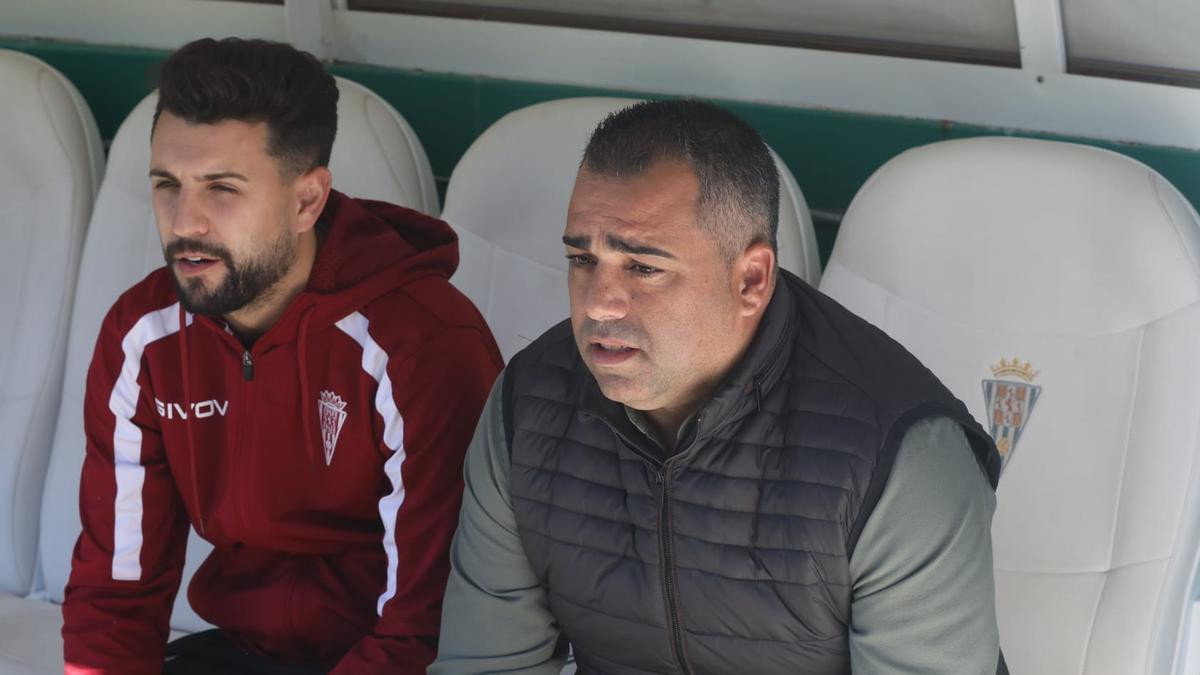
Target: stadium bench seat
1055	288
51	163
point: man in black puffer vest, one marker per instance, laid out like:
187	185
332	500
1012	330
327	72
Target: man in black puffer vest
712	467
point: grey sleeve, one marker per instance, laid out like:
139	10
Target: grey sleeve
495	618
923	591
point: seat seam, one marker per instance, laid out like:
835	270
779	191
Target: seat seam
1116	518
1116	568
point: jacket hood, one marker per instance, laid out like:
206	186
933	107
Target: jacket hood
371	248
368	249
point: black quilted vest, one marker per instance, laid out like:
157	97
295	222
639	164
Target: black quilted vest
732	555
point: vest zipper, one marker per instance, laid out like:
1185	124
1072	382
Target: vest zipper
247	366
666	554
668	566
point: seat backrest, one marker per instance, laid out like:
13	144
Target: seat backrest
507	199
1055	288
51	162
375	156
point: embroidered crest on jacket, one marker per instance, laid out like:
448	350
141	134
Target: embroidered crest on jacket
332	413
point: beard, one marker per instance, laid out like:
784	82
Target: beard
246	283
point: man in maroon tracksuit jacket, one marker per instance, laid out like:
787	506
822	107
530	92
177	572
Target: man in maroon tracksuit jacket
299	383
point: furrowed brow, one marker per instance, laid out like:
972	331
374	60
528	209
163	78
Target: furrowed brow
637	249
222	175
582	242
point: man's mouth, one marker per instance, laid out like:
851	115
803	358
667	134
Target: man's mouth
611	353
612	348
194	264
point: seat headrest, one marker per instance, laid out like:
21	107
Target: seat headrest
513	184
55	133
377	155
1039	215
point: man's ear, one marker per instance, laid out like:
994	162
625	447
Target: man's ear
312	191
754	274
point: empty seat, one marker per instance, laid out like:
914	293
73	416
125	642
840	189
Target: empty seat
1056	289
507	199
51	162
375	156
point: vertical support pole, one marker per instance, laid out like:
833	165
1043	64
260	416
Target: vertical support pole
310	27
1041	36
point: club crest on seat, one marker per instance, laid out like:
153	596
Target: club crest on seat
1010	402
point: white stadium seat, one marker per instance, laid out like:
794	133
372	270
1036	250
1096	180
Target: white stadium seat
376	156
507	199
1056	289
51	163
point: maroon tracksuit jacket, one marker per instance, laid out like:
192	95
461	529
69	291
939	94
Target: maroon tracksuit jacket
324	464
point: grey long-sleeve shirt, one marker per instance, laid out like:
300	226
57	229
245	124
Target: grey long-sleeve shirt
923	598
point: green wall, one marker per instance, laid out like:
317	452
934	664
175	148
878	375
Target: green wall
830	153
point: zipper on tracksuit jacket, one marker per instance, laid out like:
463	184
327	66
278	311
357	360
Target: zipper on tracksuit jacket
243	422
665	550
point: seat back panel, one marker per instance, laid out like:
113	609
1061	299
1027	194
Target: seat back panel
49	168
1054	288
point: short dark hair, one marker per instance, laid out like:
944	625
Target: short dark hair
208	81
739	186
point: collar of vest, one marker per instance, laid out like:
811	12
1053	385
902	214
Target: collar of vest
742	389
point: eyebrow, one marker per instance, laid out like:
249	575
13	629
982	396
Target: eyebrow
583	242
220	175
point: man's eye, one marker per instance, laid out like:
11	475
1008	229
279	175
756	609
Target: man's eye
221	187
580	259
165	184
644	270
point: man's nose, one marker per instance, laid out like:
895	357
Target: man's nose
189	219
606	297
